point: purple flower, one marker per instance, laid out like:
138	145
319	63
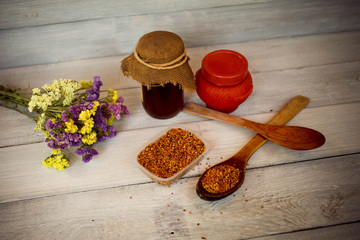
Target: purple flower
94	92
87	153
99	120
118	110
76	110
120	99
71	139
115	109
66	140
81	151
97	78
52	144
64	116
92	96
52	133
105	111
52	125
48	124
55	144
109	133
125	111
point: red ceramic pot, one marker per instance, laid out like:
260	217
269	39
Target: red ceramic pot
224	82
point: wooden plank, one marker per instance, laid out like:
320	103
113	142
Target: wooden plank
116	36
22	175
345	231
28	13
273	200
263	56
306	81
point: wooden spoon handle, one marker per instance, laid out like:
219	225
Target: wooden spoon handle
212	114
290	110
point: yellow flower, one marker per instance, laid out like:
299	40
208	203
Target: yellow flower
110	120
113	95
40	126
68	89
86	117
70	126
89	138
88	125
86	84
48	162
57	160
36	91
93	110
40	122
41	102
47	87
55	152
61	163
64	88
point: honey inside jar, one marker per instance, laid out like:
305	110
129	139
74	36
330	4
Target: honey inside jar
171	153
162	101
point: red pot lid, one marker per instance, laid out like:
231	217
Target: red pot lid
224	67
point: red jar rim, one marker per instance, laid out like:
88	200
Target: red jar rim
224	67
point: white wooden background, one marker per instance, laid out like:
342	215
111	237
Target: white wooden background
43	31
294	47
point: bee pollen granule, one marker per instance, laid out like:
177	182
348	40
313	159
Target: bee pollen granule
220	178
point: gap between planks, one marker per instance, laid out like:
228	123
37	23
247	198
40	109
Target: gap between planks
289	205
347	230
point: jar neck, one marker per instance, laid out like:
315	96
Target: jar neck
169	84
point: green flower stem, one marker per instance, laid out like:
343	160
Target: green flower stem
10	97
11	94
20	111
14	100
56	109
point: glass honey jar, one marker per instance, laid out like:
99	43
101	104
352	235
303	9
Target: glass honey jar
160	64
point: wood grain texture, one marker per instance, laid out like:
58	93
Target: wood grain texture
328	62
116	165
278	197
114	36
28	14
263	56
262	100
294	47
349	231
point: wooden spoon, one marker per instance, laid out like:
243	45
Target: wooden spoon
240	159
293	137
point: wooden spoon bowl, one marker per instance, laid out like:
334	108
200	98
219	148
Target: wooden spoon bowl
238	161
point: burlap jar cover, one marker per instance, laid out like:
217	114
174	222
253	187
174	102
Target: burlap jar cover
160	58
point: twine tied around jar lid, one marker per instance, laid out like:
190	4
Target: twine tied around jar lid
160	58
162	66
